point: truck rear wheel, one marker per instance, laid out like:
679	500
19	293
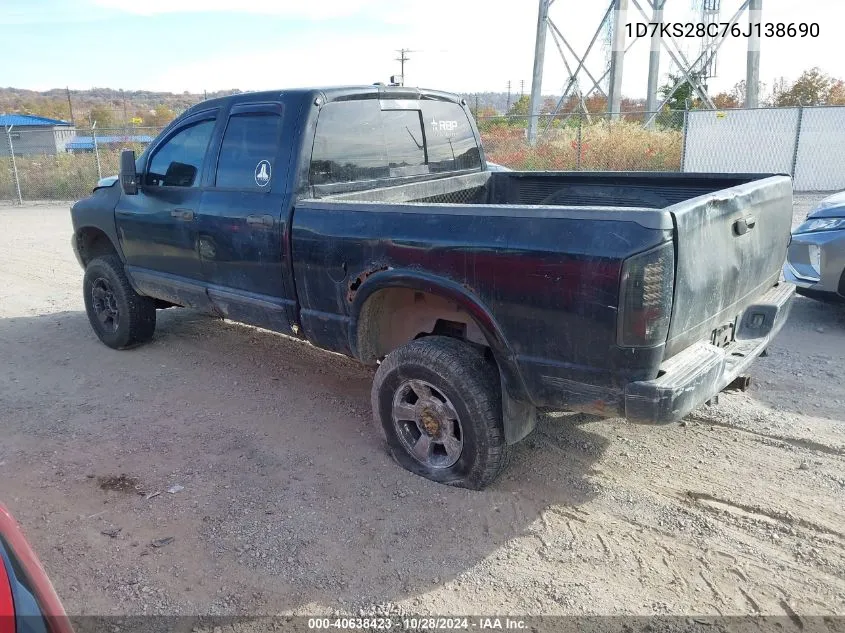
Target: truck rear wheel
439	402
120	317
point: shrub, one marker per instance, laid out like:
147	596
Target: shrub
603	145
56	177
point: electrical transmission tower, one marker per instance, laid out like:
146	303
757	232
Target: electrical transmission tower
618	14
710	10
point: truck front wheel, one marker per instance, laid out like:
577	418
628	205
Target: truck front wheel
120	317
439	403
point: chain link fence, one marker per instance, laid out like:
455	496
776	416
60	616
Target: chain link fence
807	143
62	164
55	163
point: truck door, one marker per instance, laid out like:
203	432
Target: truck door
157	228
242	217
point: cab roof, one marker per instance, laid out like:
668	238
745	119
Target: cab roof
334	93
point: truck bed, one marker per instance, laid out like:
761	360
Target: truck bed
557	241
647	191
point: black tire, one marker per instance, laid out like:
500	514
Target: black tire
120	317
469	384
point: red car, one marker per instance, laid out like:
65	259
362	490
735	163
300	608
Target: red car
28	602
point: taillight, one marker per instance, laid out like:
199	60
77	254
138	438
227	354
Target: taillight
645	302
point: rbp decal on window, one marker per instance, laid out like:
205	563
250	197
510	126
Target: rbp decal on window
443	126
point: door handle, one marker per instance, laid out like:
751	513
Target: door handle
182	214
743	225
260	220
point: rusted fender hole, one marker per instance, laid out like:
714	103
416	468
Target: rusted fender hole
356	283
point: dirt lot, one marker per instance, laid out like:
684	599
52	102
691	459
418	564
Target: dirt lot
291	505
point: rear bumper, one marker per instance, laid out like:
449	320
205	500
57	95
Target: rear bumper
693	376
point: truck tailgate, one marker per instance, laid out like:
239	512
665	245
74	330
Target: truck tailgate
731	245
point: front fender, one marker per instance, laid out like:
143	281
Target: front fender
97	212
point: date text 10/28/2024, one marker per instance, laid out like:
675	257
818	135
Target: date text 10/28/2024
423	623
722	29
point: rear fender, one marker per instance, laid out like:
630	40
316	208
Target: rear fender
519	413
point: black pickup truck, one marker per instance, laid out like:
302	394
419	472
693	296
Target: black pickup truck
366	221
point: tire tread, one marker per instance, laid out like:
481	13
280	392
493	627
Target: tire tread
140	311
465	368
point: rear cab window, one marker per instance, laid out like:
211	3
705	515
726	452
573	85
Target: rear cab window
451	143
366	139
248	150
404	142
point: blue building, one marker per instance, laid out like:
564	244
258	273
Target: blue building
33	135
86	143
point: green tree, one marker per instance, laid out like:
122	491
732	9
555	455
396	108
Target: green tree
520	106
812	88
102	116
159	117
684	94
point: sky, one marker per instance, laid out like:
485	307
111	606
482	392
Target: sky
457	45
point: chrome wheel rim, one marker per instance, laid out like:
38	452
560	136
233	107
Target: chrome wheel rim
427	424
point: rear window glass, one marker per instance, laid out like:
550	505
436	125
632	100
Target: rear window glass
349	143
451	143
403	136
356	140
249	146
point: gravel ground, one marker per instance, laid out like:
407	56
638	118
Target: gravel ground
288	503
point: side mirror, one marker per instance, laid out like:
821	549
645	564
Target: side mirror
128	176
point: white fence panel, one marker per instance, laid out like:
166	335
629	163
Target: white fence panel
741	141
821	150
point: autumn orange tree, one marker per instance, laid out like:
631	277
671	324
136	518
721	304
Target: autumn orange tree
812	88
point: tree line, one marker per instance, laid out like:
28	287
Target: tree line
107	107
812	88
111	108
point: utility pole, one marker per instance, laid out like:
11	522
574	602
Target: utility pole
521	88
752	71
654	57
403	57
125	120
617	57
537	74
508	108
69	103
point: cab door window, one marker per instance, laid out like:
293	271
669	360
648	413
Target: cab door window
248	151
178	162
